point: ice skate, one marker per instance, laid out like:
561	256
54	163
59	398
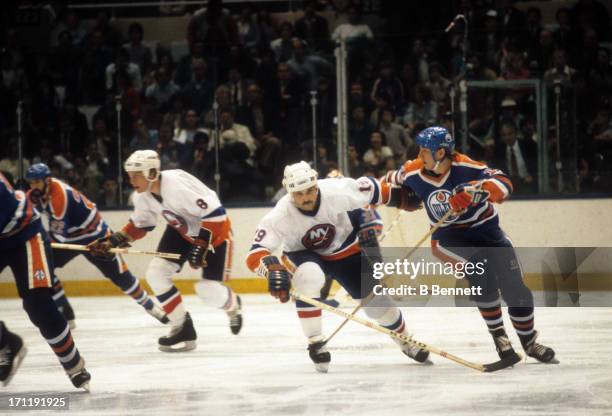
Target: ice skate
11	356
538	351
79	376
235	317
504	347
319	356
417	354
159	314
181	338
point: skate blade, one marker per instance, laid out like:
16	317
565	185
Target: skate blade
16	363
322	367
86	387
188	346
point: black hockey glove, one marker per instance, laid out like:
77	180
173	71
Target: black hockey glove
199	249
279	279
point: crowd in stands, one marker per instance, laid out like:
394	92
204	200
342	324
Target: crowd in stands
249	77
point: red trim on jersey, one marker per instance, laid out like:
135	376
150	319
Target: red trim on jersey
441	255
58	200
170	306
134	232
220	230
67	345
349	251
309	314
254	258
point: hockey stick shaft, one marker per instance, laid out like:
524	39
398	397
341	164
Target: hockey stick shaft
368	299
79	247
393	334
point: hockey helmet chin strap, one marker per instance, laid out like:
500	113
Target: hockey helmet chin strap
433	154
151	181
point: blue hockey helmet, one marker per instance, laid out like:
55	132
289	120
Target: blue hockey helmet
434	138
38	171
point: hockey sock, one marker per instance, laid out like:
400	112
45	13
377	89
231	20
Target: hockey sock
216	295
523	322
390	317
63	346
131	287
59	296
172	303
310	319
492	314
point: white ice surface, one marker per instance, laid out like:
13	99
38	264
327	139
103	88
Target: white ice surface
266	370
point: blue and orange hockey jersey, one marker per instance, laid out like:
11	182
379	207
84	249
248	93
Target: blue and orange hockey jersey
19	221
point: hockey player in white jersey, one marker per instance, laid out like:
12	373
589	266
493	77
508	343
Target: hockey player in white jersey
198	229
316	227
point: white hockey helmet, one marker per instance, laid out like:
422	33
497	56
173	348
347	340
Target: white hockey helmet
298	177
144	161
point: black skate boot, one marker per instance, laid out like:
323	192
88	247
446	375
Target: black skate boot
184	333
159	314
79	376
68	314
11	355
504	347
319	356
538	351
235	317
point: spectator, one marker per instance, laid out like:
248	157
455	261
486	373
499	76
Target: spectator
560	71
139	53
105	143
215	28
64	62
313	28
564	35
283	46
72	25
232	132
517	158
513	24
184	70
187	129
93	171
130	96
199	91
396	136
144	139
248	30
163	89
540	55
257	113
357	98
378	152
600	77
439	85
265	26
355	166
70	139
237	88
389	85
167	149
307	67
419	61
360	128
108	197
289	97
354	30
421	110
97	57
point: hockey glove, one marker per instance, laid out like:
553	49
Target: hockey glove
199	249
404	198
102	246
467	195
279	279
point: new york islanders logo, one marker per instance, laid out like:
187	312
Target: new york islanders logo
438	205
319	237
175	221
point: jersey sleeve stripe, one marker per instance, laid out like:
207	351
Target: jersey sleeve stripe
376	194
255	255
216	213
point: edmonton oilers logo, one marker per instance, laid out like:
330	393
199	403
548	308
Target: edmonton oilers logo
438	205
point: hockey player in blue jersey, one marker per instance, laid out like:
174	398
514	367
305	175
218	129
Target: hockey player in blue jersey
447	180
75	219
24	248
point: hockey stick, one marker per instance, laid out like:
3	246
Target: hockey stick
79	247
485	368
368	299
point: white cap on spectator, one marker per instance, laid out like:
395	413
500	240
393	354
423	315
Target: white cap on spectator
508	102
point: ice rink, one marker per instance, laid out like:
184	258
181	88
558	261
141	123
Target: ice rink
266	370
